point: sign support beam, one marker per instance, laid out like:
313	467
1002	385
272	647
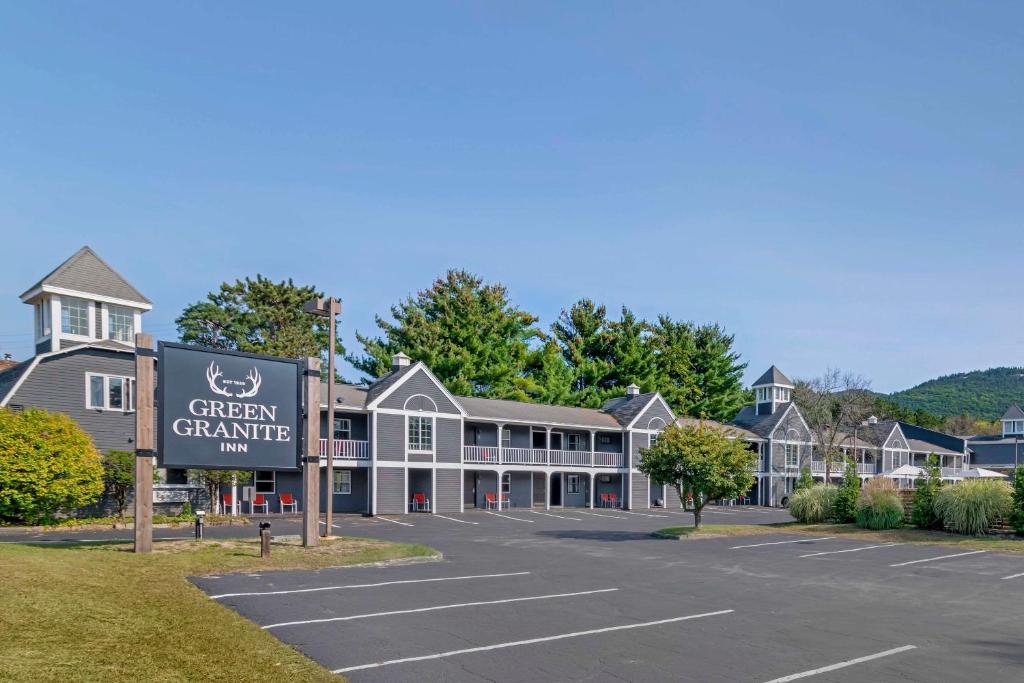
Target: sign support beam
144	442
311	459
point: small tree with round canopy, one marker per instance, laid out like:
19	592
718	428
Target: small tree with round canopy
700	461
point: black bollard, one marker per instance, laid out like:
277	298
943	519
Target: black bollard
264	539
199	525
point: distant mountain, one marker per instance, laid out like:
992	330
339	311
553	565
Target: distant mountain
982	393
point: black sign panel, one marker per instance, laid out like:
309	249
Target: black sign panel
227	410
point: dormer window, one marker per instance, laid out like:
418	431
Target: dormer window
121	323
1012	427
74	316
781	394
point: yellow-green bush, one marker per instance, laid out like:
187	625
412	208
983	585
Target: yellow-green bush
813	505
47	463
879	505
972	506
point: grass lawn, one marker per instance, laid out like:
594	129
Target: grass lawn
997	543
99	612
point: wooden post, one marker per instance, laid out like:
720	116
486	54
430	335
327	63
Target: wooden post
333	311
311	460
145	363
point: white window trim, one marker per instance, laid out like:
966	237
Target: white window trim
128	398
505	431
569	488
578	438
341	474
506	482
433	435
273	482
109	311
349	429
89	318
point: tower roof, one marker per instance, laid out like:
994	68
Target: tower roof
87	273
1013	413
773	376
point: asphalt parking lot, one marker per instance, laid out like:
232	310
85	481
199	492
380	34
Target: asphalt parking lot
590	595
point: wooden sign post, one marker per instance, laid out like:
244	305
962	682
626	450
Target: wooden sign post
145	360
311	458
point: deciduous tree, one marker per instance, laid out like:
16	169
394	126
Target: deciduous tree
700	462
833	405
119	477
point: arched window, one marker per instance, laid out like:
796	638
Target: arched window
421	403
656	423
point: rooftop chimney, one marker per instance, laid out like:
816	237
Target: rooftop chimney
632	391
872	420
399	361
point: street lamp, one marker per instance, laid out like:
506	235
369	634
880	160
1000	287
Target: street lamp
330	309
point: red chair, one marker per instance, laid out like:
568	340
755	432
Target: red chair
288	500
613	500
605	500
420	502
259	501
490	501
226	505
504	501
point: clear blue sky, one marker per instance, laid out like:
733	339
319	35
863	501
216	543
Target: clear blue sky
837	185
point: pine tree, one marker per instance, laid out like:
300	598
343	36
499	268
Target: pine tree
805	481
849	492
1017	516
631	356
583	335
551	377
466	332
674	348
718	374
258	316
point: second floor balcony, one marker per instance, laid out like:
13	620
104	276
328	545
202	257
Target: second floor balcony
345	450
837	468
492	455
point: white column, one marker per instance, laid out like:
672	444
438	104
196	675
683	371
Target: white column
593	485
547	490
234	496
501	451
593	447
497	492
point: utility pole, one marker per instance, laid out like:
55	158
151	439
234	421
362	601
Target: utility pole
330	309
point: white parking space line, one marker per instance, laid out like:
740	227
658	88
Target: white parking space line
452	519
600	514
641	514
853	550
393	521
531	641
799	540
548	514
940	557
1013	576
498	514
368	585
439	607
719	512
843	665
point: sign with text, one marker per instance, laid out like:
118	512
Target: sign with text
227	410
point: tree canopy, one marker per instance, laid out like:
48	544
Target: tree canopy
258	316
701	462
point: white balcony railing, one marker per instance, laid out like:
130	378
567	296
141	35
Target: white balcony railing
837	468
492	455
346	450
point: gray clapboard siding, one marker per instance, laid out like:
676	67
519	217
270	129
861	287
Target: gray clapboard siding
638	494
58	385
656	409
419	383
390	437
447	441
449	490
390	490
672	498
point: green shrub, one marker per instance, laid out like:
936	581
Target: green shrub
972	506
119	477
186	509
47	463
923	513
813	505
1017	516
805	481
848	493
879	505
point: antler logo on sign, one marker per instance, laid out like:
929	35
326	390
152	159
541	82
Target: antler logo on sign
227	410
213	373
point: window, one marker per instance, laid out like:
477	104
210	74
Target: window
792	455
108	392
121	323
506	437
342	482
506	483
652	439
342	429
421	434
574	441
572	483
74	317
43	316
263	480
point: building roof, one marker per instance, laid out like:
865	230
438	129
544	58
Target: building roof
384	383
86	272
1013	413
773	376
9	378
345	395
626	408
6	363
496	409
761	425
739	432
918	438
